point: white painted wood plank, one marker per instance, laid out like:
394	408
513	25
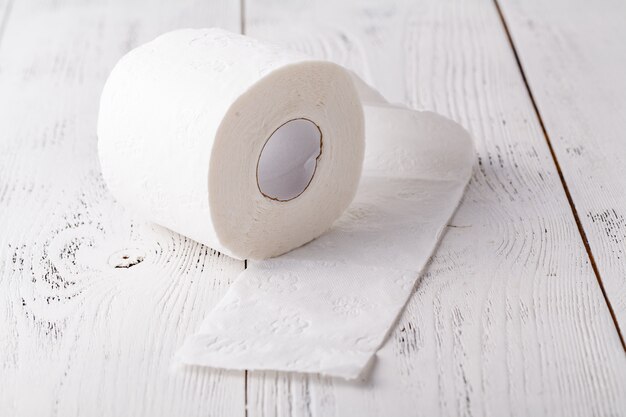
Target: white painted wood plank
574	57
509	318
77	335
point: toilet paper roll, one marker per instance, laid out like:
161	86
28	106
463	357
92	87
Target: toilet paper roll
246	148
256	150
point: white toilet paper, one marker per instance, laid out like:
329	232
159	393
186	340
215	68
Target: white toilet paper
183	120
255	150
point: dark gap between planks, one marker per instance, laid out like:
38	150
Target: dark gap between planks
579	225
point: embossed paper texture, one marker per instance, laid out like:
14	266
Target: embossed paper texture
201	103
328	306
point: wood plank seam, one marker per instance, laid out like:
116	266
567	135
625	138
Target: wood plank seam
579	225
242	27
5	17
242	12
508	319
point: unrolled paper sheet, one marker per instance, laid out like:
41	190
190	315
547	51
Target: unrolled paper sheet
183	122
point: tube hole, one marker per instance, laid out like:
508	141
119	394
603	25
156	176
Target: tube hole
288	160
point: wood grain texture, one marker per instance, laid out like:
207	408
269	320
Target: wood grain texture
509	318
93	301
574	57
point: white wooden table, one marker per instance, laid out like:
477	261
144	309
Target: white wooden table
519	311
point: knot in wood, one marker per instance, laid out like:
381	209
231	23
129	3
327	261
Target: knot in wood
126	258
